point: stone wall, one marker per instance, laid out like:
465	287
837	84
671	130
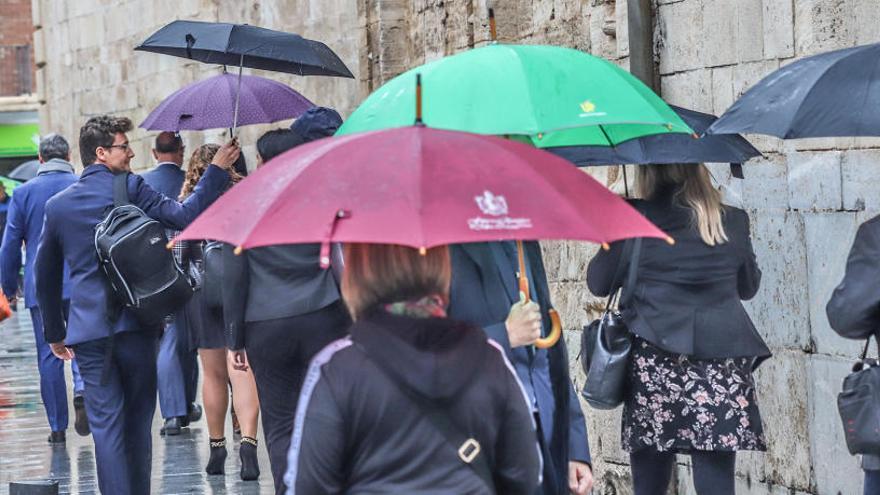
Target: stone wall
806	198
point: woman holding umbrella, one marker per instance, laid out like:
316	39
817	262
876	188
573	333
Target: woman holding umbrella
690	385
207	332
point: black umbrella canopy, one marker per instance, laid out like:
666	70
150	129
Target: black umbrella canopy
248	46
26	171
833	94
667	148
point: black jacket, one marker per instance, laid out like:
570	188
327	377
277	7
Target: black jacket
687	296
357	432
273	282
854	308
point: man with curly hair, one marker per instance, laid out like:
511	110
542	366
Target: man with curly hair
119	372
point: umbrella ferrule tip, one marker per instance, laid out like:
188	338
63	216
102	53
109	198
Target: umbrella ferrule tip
670	241
423	250
238	250
606	246
170	245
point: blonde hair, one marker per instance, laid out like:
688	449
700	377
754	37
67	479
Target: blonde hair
385	273
198	163
694	190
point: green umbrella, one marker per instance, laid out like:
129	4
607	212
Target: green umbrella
551	95
9	184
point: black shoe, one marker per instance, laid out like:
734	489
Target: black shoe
217	461
81	424
57	437
250	467
195	412
172	427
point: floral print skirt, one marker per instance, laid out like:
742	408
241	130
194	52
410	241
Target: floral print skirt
679	404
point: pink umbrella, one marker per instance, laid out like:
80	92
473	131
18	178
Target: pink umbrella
417	187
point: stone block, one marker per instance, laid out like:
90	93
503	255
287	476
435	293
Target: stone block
766	183
779	310
749	30
860	171
719	32
814	180
822	25
622	23
39	48
834	469
691	89
681	39
778	26
864	15
722	89
782	394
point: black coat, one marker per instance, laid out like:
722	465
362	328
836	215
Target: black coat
272	282
687	296
356	431
854	308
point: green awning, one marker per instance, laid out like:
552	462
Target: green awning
19	140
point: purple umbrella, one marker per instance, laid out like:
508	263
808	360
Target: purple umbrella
225	102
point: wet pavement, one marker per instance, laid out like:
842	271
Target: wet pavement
178	461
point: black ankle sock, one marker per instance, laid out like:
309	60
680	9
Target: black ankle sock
218	456
250	468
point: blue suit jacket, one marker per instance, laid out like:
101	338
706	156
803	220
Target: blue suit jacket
68	235
482	291
166	178
23	224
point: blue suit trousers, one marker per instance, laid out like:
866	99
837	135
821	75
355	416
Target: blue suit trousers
172	374
53	389
121	409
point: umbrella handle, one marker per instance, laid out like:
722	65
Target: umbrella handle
555	322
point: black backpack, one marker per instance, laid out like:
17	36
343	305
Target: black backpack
132	251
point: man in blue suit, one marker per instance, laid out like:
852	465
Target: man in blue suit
485	292
116	353
24	224
178	370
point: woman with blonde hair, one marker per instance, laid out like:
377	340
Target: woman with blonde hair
690	384
206	329
412	402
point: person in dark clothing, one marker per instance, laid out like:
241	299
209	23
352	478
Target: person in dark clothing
283	310
484	293
178	369
25	222
690	386
854	310
361	425
207	333
121	399
317	123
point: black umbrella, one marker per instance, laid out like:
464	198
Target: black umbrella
827	95
667	148
242	45
26	171
245	46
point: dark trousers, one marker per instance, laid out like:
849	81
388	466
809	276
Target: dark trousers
872	483
713	471
121	409
279	351
171	377
53	389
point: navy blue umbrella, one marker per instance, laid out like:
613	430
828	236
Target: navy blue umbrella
667	148
827	95
243	45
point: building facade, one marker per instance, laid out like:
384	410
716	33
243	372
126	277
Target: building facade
805	197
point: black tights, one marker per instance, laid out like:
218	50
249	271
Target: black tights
713	471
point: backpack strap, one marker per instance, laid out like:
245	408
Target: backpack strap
120	189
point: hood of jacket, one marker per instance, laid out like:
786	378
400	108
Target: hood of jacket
434	357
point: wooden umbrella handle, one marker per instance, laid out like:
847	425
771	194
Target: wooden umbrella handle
556	323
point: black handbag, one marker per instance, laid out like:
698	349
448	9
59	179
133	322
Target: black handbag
859	405
606	343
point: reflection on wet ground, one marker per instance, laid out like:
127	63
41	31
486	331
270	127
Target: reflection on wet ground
178	461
